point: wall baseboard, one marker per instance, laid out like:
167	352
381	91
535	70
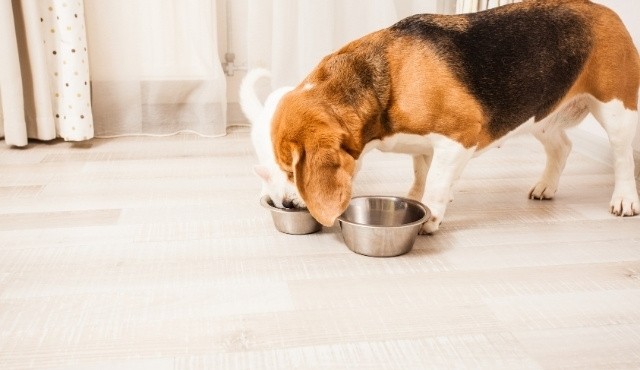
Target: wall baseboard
235	117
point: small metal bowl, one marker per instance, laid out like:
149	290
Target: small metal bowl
382	226
294	221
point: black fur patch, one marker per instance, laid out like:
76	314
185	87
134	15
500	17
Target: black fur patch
518	61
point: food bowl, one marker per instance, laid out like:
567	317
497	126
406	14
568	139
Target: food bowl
294	221
382	226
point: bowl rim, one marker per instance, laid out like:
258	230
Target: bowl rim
425	209
264	201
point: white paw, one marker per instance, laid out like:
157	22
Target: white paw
624	205
431	226
542	191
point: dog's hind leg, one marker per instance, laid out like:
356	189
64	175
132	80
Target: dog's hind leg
620	124
448	160
421	163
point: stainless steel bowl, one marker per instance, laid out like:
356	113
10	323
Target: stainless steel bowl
382	226
295	221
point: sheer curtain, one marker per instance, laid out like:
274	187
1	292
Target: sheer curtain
155	67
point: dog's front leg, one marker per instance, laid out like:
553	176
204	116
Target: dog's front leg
448	160
557	146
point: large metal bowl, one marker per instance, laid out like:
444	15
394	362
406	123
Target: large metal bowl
382	226
294	221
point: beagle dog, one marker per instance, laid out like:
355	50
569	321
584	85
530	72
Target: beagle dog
444	88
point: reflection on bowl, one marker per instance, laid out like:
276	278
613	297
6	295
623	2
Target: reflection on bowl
295	221
382	226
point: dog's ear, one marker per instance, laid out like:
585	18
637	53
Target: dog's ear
323	176
263	172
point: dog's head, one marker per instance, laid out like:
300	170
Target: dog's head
274	180
314	154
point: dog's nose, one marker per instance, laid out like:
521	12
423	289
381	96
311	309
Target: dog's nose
287	203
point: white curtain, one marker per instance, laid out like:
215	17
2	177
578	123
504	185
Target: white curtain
44	71
155	67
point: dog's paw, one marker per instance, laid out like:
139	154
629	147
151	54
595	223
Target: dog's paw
542	191
431	226
624	206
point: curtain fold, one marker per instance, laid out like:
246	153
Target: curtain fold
44	82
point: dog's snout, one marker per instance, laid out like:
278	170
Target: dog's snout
288	203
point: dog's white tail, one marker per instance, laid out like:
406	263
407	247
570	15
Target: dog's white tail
249	102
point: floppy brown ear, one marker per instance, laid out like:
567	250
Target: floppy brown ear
323	177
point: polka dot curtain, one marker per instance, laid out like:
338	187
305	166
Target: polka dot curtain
45	86
66	49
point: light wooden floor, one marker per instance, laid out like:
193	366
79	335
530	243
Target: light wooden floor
153	253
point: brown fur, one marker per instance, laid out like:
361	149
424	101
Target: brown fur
613	69
422	77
